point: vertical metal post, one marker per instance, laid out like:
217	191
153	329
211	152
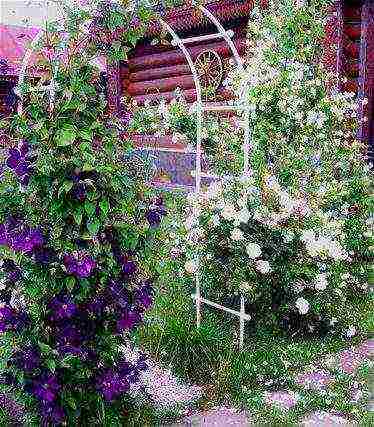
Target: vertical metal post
242	315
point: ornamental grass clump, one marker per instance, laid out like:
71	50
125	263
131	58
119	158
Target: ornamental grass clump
77	236
293	236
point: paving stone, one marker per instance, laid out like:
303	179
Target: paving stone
217	417
316	380
326	419
282	399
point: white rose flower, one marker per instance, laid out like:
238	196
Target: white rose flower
253	250
244	216
237	235
263	267
302	305
307	236
190	267
229	212
351	331
321	282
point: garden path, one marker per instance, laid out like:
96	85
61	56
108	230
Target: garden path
315	377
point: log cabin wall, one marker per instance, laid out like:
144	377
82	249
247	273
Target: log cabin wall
153	72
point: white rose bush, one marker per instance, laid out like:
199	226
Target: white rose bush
295	236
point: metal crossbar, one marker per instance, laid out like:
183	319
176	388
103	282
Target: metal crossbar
206	37
243	315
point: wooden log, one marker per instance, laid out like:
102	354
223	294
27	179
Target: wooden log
352	49
159	73
177	57
190	96
352	13
353	31
161	85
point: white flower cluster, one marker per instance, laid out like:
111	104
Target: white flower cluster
323	246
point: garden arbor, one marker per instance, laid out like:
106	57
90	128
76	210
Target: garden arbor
200	109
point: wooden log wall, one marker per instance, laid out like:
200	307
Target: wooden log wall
154	72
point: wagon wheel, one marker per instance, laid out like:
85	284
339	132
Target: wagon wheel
210	69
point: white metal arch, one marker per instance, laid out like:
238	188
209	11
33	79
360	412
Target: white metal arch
200	110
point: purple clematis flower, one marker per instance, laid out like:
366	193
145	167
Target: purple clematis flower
81	267
46	387
128	267
27	359
111	384
154	218
19	161
119	293
128	320
62	307
143	296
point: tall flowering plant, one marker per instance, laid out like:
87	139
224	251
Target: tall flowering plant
295	236
77	236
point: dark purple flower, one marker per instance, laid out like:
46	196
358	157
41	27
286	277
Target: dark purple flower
111	384
27	359
46	387
20	162
119	293
62	307
69	335
25	180
24	148
153	217
82	266
3	235
80	192
144	297
44	256
97	305
128	320
128	267
6	314
14	158
22	169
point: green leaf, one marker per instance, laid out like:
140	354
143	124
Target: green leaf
104	206
51	364
70	283
45	348
65	137
86	135
90	208
71	402
93	226
65	187
78	216
87	167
